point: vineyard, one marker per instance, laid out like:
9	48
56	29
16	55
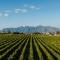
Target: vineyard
29	47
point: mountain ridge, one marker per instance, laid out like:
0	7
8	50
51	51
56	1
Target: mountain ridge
39	28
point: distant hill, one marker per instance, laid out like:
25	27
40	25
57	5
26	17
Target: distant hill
31	29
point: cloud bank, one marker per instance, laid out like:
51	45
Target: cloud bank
26	8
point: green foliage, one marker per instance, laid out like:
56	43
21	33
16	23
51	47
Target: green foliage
33	46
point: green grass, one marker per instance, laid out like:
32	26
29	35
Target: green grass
18	46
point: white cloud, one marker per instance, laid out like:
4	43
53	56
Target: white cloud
25	5
37	8
32	7
17	10
20	10
24	10
6	14
1	14
8	11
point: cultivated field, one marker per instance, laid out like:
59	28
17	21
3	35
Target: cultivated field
29	47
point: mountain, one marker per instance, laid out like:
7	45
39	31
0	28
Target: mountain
31	29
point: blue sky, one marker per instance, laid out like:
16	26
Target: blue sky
15	13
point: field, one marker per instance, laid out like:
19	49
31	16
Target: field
29	47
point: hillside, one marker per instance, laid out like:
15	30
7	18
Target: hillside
31	29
